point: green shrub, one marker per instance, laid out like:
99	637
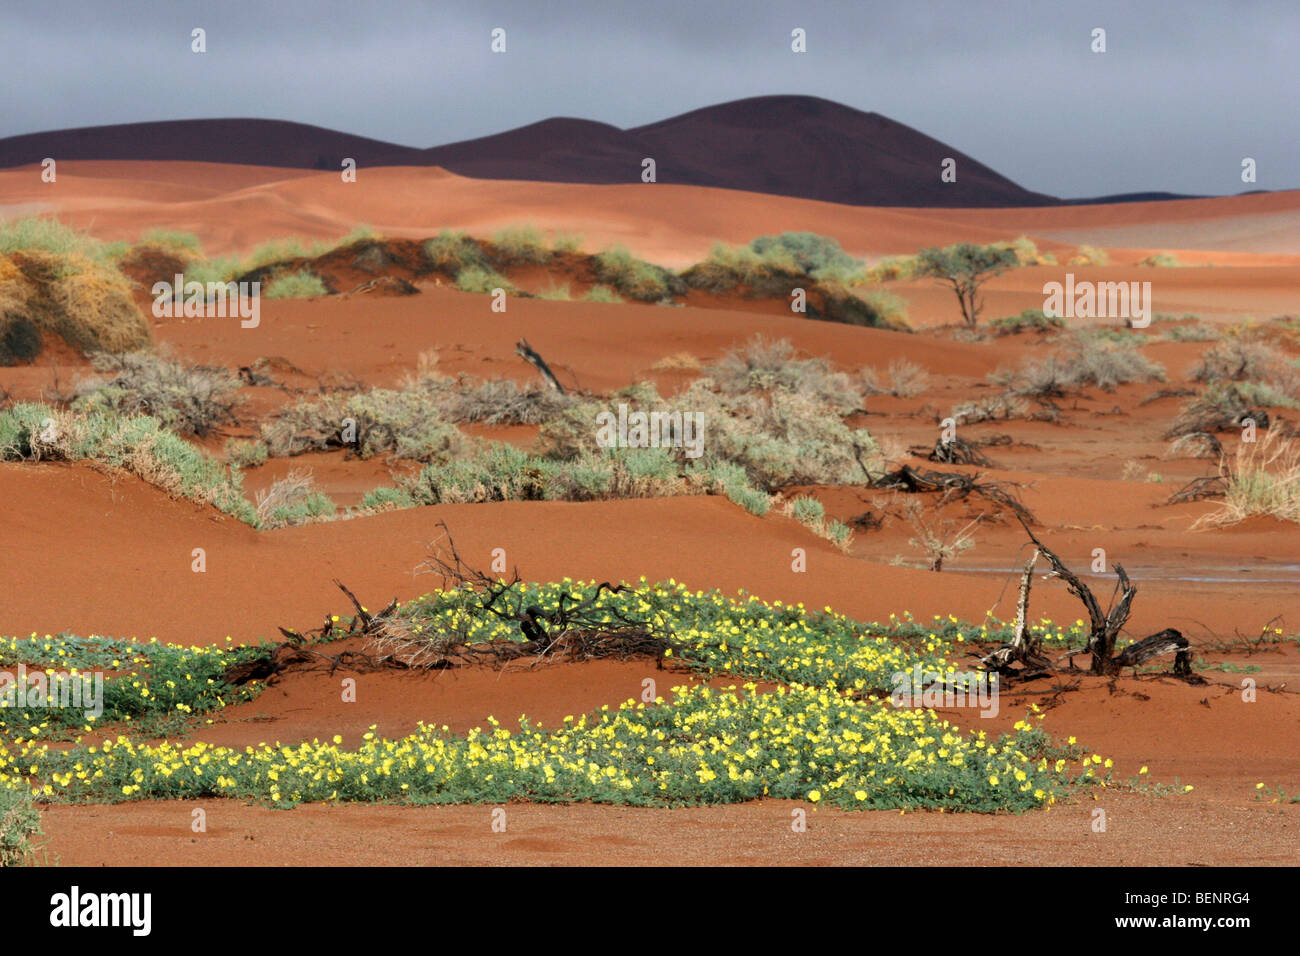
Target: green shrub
450	252
741	268
302	284
482	280
892	268
1026	252
49	235
733	481
874	308
291	500
242	453
522	244
807	510
633	277
567	242
809	251
383	499
19	822
603	294
1030	320
839	534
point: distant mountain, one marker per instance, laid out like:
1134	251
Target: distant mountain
799	146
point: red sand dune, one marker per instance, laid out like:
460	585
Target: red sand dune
232	208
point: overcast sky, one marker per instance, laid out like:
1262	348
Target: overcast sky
1186	89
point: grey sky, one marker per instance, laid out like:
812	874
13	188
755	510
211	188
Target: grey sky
1186	89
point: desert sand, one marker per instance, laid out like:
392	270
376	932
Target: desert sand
90	550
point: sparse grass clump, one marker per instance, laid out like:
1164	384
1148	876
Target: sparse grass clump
1090	256
185	243
1194	332
481	280
1030	320
1160	260
522	244
1026	251
451	252
188	399
728	269
137	443
48	235
903	379
633	277
810	513
892	268
1264	480
567	243
242	453
556	293
291	500
678	362
602	294
302	284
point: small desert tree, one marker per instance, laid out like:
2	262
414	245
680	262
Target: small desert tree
965	266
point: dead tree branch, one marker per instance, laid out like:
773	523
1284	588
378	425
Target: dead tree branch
526	352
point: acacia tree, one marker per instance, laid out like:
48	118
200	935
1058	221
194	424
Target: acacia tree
965	266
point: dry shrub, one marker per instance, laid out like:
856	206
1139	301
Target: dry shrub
1085	360
903	379
1248	359
189	399
85	302
407	423
762	366
505	402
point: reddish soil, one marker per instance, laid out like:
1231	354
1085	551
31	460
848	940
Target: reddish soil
94	551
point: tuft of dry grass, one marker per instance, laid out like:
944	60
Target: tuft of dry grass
678	362
292	499
903	379
1264	480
